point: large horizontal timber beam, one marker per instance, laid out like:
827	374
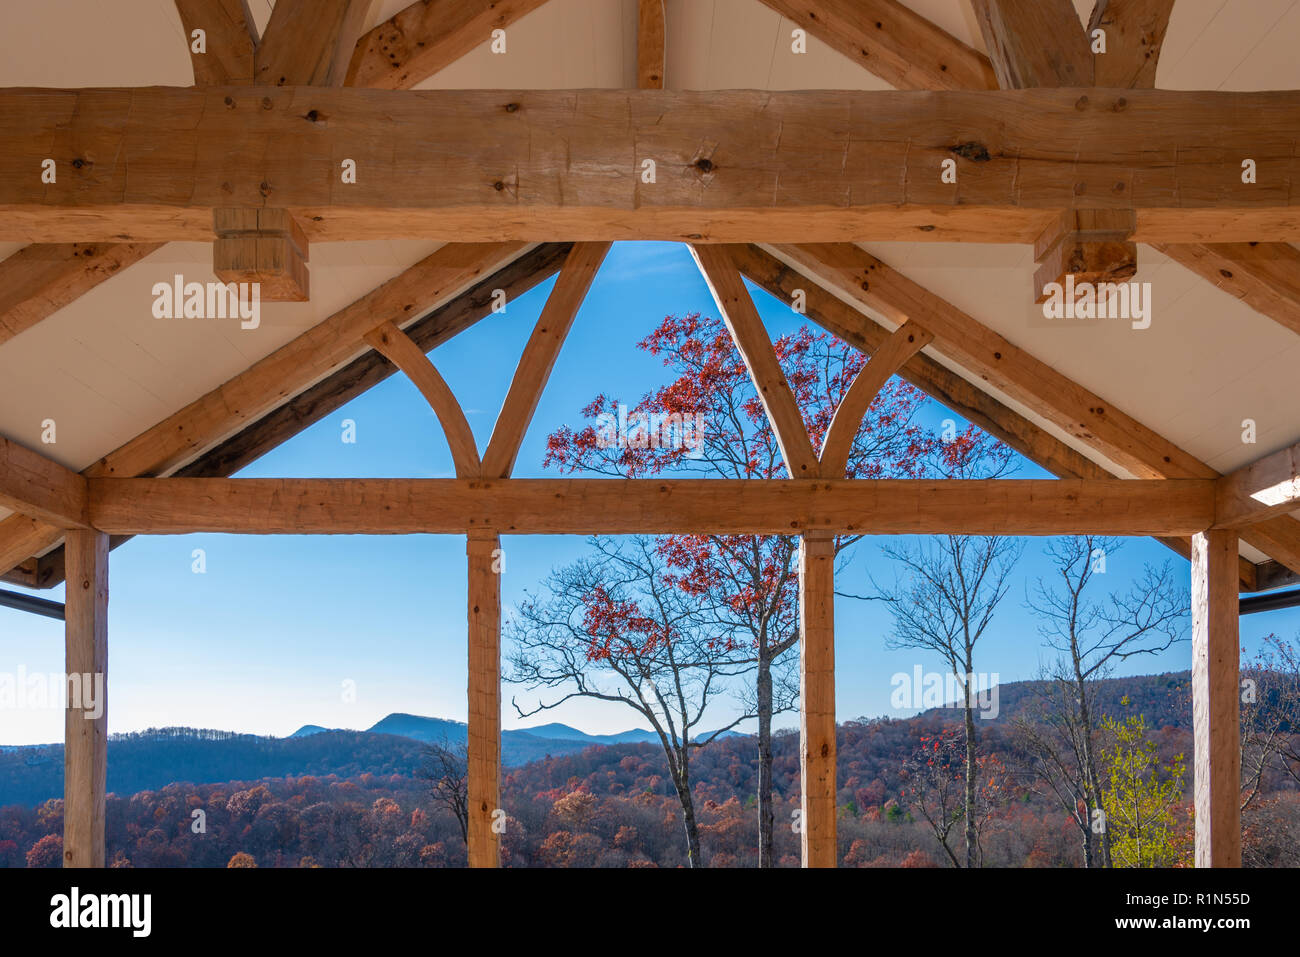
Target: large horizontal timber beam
310	406
153	164
175	506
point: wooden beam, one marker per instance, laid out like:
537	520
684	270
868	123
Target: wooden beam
40	487
427	36
650	39
718	266
268	383
398	347
799	166
306	42
906	342
1135	32
863	279
1265	276
39	280
540	353
483	550
1216	699
1263	489
623	507
894	42
85	735
228	37
263	246
817	765
1035	43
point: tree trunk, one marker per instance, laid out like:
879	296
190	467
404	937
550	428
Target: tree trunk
766	815
971	842
682	781
1092	784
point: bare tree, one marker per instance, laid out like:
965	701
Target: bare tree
1090	638
446	767
615	627
1270	718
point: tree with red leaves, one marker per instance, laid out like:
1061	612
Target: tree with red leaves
709	420
616	627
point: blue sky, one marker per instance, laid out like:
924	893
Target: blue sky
264	640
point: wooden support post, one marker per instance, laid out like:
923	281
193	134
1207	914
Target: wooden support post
265	246
1216	701
483	551
817	699
85	729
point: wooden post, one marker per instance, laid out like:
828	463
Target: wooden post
85	731
483	551
1216	699
817	698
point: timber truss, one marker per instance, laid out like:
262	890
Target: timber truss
1052	145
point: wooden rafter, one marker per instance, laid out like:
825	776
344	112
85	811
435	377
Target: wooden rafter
229	39
1135	32
650	40
652	507
1132	446
718	265
892	41
1035	43
305	43
40	487
399	348
540	353
1265	276
906	342
804	166
37	281
427	36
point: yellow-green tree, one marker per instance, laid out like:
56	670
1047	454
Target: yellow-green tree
1141	798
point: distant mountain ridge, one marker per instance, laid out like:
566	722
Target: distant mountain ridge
451	733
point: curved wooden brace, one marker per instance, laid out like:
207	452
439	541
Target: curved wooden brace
907	341
718	266
539	355
402	351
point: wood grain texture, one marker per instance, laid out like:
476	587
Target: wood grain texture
909	339
1216	700
732	165
427	36
1034	43
484	764
894	42
623	507
1135	33
41	488
398	347
263	246
817	765
229	37
308	42
39	280
85	733
650	40
1264	276
718	265
540	353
